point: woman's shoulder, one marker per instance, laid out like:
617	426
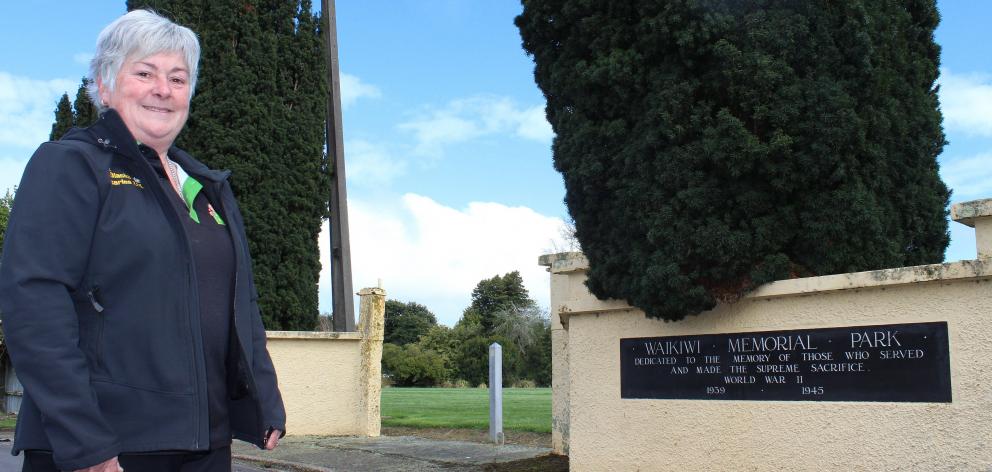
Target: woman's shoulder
71	157
78	142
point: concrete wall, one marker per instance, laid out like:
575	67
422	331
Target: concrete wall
330	381
602	432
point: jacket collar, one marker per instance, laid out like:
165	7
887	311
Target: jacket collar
110	132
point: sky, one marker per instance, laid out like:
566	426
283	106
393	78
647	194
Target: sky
448	154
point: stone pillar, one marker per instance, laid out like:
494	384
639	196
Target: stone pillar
978	215
559	352
371	325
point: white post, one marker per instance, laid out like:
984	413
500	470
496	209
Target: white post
496	393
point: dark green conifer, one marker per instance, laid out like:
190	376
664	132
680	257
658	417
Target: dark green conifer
709	147
63	118
84	112
259	111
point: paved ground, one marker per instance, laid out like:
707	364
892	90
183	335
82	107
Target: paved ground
382	454
7	461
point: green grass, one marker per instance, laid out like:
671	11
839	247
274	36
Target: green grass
524	409
7	422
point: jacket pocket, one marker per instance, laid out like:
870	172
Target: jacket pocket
91	318
148	420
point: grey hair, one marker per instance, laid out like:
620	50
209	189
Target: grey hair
139	34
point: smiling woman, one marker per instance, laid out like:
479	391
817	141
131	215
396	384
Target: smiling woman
152	96
132	317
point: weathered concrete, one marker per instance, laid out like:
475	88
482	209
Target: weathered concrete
603	432
372	325
330	381
978	215
383	454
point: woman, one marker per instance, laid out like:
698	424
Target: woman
125	286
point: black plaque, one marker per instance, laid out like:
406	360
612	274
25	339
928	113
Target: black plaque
883	363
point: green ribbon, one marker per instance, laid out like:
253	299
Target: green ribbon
191	188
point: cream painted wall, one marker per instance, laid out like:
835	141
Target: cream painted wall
319	380
602	432
331	382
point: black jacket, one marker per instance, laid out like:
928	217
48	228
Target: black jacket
99	302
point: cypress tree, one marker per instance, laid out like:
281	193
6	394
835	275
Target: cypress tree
6	205
84	112
710	147
81	113
63	118
259	111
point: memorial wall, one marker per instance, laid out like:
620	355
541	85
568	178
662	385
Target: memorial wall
331	381
882	370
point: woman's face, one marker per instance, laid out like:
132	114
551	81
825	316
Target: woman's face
152	97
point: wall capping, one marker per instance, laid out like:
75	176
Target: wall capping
314	335
573	262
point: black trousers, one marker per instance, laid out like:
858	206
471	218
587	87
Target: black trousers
214	460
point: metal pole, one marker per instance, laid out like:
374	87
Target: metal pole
496	393
341	288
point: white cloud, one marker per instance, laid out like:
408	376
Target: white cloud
27	109
369	163
435	255
533	124
352	88
82	58
11	169
966	102
969	177
466	119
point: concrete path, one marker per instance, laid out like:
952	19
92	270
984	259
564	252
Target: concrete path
351	454
7	461
382	454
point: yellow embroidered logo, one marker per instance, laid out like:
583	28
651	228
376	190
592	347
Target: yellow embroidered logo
120	178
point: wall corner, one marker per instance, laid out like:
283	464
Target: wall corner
371	325
978	215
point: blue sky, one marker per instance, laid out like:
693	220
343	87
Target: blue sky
448	154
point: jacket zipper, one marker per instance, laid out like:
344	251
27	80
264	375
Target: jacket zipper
240	260
93	301
170	211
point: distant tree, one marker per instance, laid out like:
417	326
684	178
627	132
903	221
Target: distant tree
325	322
63	118
497	294
6	205
414	366
501	311
527	331
83	111
710	147
439	338
407	322
472	359
259	110
80	113
537	357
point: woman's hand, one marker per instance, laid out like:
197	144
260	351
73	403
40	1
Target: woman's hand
110	465
273	440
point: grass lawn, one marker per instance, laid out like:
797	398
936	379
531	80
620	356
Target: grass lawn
524	409
7	422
